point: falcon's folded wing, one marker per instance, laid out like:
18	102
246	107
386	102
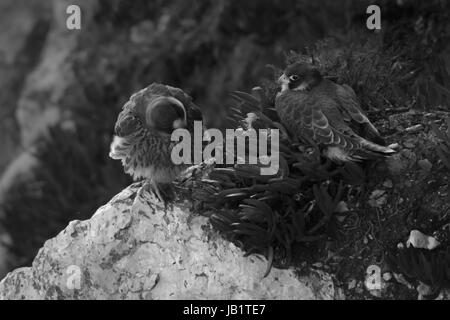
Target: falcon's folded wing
351	111
322	123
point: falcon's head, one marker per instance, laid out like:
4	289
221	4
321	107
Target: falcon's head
143	130
151	110
299	76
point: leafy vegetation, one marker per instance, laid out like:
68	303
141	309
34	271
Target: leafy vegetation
429	267
388	79
270	213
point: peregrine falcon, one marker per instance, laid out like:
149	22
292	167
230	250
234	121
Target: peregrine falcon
143	131
320	112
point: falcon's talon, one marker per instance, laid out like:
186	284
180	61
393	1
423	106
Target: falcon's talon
164	192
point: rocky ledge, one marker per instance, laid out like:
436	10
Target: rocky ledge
134	248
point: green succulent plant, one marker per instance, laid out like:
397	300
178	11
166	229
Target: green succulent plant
264	214
431	267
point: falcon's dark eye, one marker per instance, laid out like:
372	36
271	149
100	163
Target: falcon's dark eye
294	77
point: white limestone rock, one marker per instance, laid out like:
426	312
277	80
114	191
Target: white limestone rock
132	248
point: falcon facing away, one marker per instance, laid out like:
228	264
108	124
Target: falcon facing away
143	131
320	112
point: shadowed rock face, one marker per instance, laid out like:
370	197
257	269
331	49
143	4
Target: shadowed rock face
35	78
132	248
23	29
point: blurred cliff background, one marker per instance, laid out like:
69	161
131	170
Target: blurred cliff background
61	90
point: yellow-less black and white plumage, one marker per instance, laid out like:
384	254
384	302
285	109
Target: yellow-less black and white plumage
320	112
143	131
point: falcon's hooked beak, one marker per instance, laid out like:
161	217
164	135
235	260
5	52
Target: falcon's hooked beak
283	81
178	123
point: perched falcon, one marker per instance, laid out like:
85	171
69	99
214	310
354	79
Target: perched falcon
320	112
143	131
